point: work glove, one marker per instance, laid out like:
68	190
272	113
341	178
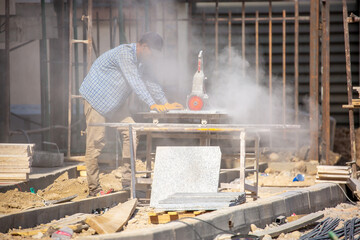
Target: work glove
174	106
159	108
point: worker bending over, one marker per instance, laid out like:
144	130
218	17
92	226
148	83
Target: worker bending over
111	79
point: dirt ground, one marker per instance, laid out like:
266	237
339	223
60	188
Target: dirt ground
14	201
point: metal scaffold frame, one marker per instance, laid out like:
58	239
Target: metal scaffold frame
73	41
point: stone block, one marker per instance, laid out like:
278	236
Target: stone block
185	169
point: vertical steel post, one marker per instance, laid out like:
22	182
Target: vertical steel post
243	51
84	33
147	15
76	59
325	80
203	26
44	80
216	34
270	61
70	75
98	32
89	35
296	62
5	81
229	37
349	87
163	19
284	66
111	27
314	80
122	37
257	47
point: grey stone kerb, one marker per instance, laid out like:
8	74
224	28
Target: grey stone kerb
260	213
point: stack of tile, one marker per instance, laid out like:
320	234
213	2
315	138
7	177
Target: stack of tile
15	162
201	201
334	174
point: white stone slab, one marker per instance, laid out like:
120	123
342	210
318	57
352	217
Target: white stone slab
185	169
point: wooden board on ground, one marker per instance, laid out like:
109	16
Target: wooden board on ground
113	220
76	222
165	217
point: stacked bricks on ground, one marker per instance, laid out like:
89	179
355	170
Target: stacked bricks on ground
15	162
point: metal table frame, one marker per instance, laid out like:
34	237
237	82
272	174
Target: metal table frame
241	129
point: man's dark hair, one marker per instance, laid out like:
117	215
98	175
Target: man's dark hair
153	40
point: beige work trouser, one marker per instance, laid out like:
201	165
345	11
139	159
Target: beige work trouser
95	142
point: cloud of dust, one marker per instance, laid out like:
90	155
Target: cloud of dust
233	89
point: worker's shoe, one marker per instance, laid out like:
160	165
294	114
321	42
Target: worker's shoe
96	193
99	193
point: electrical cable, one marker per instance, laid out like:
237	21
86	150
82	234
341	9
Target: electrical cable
354	203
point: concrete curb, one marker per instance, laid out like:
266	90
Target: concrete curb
34	217
260	213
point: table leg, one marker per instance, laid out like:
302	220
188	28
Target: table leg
132	138
242	161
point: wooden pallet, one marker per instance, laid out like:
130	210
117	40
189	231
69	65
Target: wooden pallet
334	174
165	217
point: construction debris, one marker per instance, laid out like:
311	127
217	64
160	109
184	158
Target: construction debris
165	217
113	220
75	222
335	174
291	226
15	161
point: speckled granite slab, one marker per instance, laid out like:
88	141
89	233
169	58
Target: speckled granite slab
185	170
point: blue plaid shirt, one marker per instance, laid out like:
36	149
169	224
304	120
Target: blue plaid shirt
112	78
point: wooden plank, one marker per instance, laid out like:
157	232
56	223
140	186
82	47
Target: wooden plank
334	172
332	176
327	167
330	181
81	168
13	176
16	149
15	170
291	226
15	158
165	217
113	220
15	164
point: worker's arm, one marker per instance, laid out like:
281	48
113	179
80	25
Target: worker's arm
130	71
156	91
